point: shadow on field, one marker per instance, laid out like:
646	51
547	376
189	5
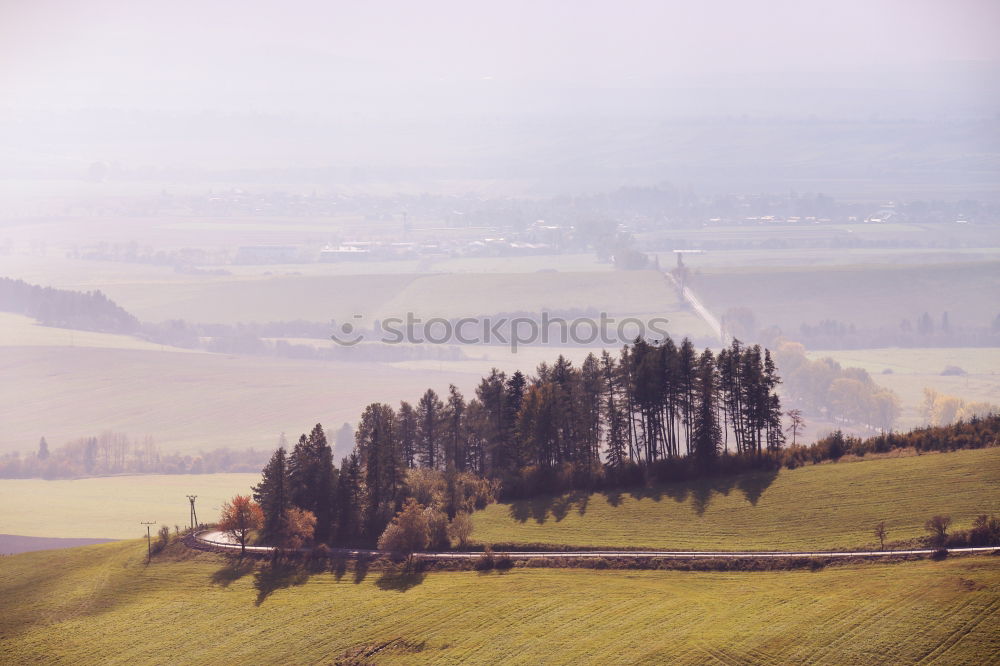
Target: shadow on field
276	576
558	507
232	572
700	493
400	579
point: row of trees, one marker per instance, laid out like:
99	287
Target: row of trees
942	409
117	453
565	426
88	311
353	504
844	395
651	402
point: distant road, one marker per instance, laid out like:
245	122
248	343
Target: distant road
223	540
696	304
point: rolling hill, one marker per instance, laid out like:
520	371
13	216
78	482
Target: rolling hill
827	506
103	603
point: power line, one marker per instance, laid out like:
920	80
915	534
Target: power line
149	541
194	516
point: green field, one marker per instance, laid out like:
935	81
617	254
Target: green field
103	604
828	506
112	507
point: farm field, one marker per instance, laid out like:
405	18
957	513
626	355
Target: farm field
21	331
461	295
915	369
189	402
780	236
869	296
75	605
827	506
111	507
228	300
812	257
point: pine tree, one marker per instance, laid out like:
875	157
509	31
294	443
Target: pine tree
312	479
272	494
428	428
706	435
455	453
406	431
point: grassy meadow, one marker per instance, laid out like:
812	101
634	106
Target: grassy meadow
112	507
816	507
103	603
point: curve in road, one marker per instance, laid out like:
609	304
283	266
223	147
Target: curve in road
222	540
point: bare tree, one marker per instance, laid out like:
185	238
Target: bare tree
797	425
881	533
938	527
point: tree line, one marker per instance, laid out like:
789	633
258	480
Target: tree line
613	416
87	311
611	420
305	498
116	453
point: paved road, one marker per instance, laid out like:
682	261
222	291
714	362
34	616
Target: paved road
702	311
222	540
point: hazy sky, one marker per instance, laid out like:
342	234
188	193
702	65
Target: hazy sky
494	88
283	55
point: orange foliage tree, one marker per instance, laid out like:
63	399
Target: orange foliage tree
239	516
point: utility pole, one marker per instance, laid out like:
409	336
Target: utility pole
194	516
149	542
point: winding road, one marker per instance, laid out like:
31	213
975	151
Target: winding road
222	540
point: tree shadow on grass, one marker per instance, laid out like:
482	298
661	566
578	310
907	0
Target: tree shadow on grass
232	572
361	566
753	484
541	508
276	576
338	566
700	492
400	579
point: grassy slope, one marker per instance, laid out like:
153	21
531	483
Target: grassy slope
814	507
101	603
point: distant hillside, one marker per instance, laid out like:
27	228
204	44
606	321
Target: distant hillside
87	311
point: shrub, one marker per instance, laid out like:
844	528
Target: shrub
486	561
163	539
460	529
952	370
938	527
409	531
437	529
985	531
